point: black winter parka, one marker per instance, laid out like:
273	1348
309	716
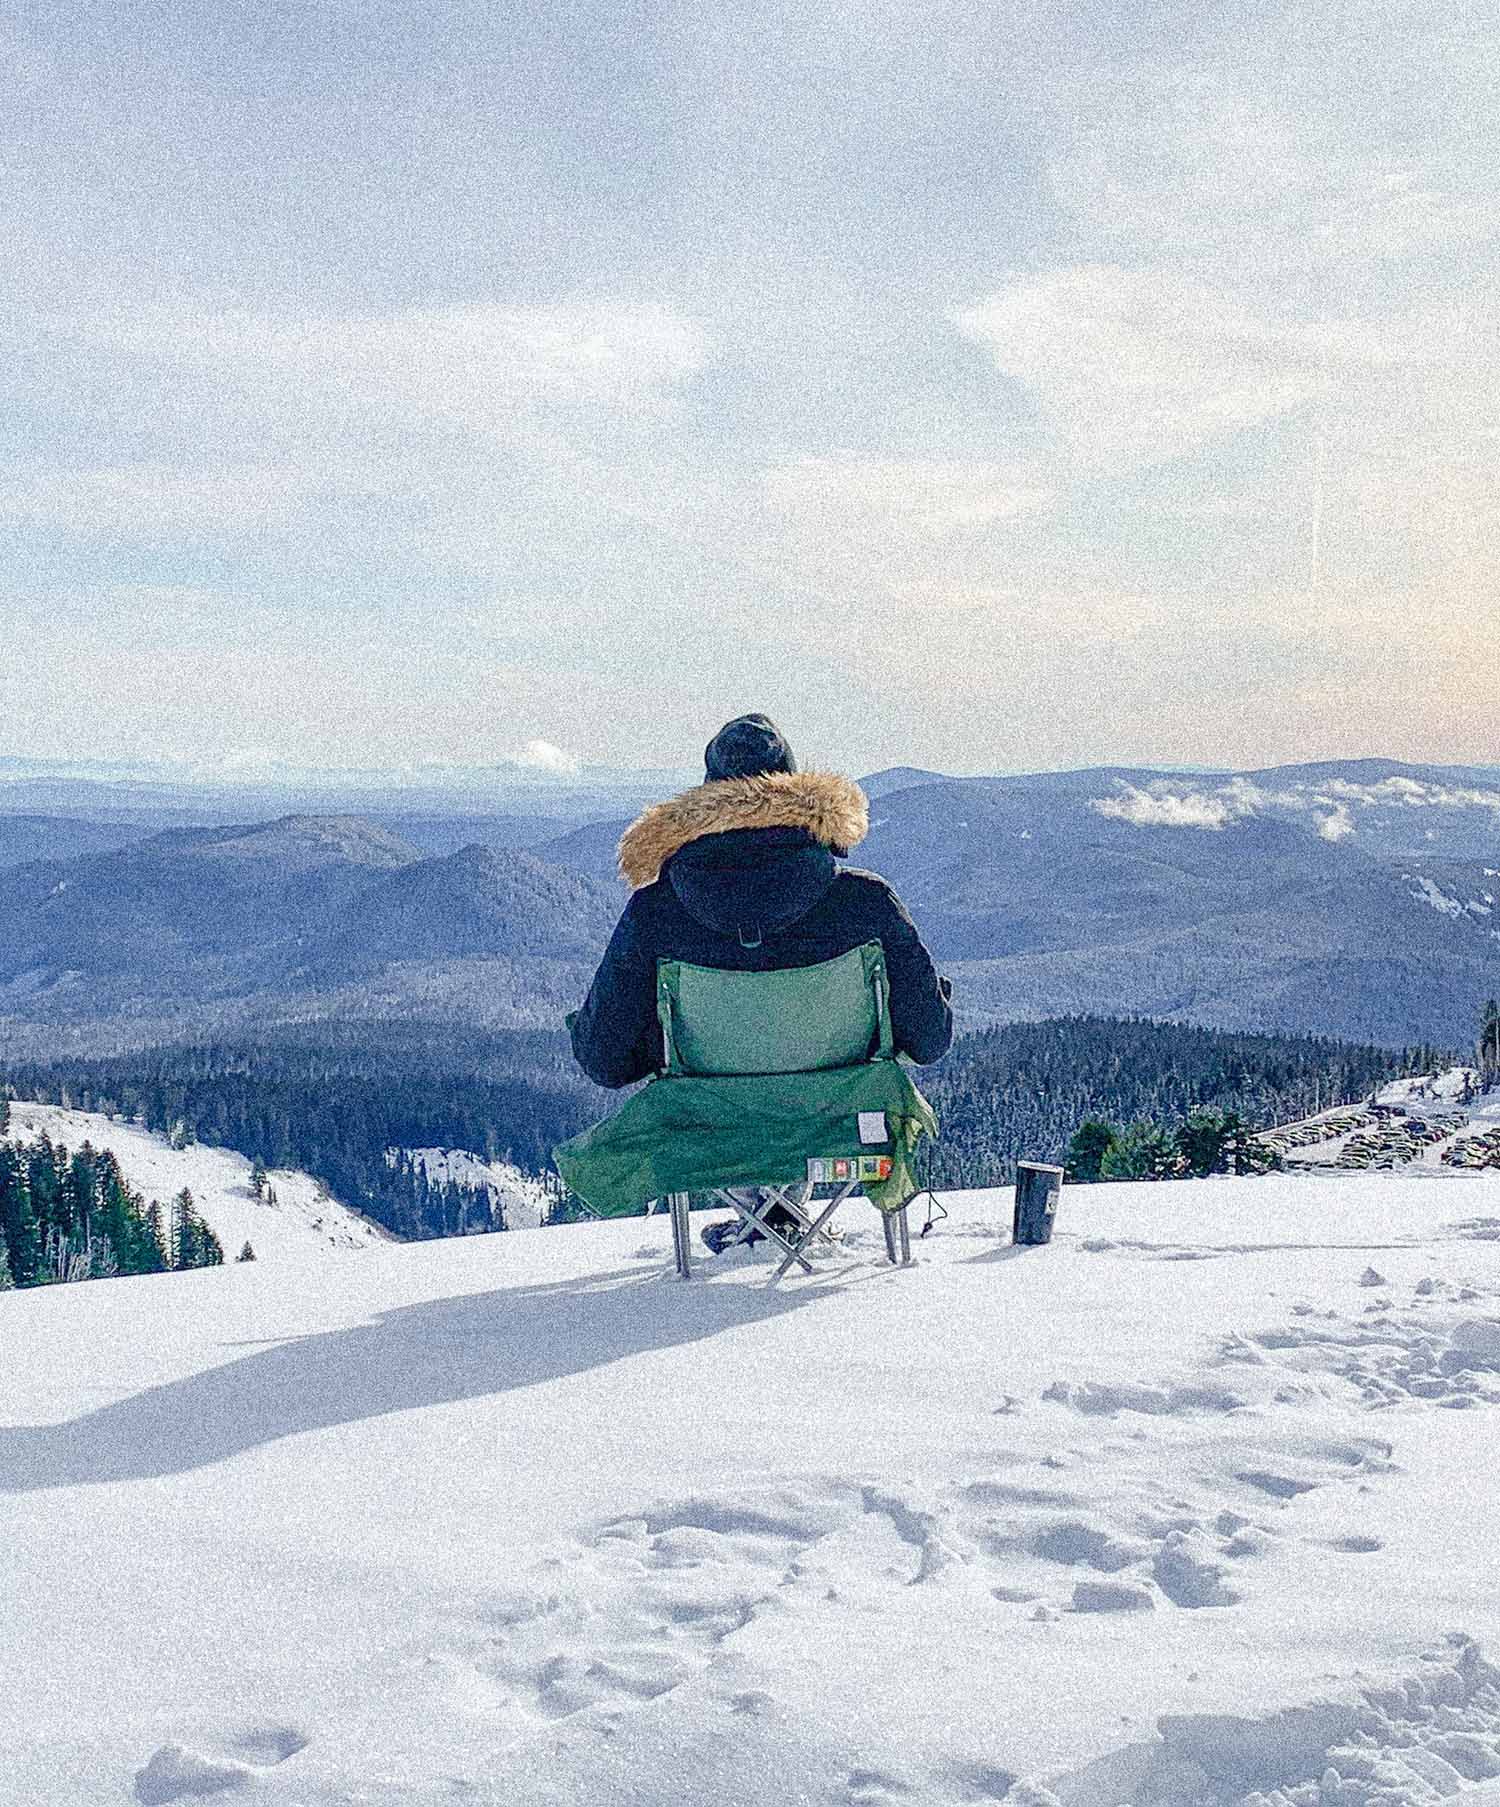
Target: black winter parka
742	873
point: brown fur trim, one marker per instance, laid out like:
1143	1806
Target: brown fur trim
832	808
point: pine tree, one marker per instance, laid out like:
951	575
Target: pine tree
247	1253
1203	1141
1244	1154
1092	1140
193	1243
184	1231
7	1279
210	1249
156	1239
18	1225
1144	1151
258	1178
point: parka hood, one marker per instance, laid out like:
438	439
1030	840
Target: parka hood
748	856
832	809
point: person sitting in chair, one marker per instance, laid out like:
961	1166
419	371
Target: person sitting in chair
741	873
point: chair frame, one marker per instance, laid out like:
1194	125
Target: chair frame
897	1230
807	1221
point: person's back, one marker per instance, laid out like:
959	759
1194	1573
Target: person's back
741	873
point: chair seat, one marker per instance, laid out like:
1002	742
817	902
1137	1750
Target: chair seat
693	1133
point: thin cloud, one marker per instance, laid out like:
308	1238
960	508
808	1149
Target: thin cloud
1150	364
150	500
929	498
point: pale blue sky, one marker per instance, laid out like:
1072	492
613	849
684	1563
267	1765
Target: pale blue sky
966	385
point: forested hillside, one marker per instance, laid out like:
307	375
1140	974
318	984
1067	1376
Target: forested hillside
333	1098
73	1216
1020	1091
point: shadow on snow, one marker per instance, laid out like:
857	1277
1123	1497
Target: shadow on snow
446	1350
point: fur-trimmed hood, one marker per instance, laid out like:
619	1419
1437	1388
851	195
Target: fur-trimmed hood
831	808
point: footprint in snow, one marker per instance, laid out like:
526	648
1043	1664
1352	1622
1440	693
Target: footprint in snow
652	1602
1186	1571
1104	1399
1082	1545
1112	1596
177	1772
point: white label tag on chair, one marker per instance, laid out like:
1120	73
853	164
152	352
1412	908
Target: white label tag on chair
872	1127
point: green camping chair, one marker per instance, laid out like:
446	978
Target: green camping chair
772	1084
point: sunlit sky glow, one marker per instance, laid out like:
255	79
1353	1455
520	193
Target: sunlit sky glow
967	384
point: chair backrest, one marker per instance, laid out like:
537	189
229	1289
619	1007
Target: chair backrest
796	1019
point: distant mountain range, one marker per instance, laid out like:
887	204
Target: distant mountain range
1353	898
1344	898
164	792
285	910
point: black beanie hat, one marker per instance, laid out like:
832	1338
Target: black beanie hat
746	746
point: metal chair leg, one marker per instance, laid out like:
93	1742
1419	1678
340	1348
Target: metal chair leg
752	1217
677	1204
812	1230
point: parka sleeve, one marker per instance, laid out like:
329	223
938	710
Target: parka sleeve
921	1016
616	1036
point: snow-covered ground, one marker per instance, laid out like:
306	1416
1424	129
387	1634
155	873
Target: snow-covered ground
1196	1505
302	1220
521	1196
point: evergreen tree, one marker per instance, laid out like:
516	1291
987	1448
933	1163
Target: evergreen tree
258	1177
18	1225
46	1169
1091	1141
1203	1141
247	1253
193	1242
1143	1151
184	1231
7	1281
1244	1154
155	1236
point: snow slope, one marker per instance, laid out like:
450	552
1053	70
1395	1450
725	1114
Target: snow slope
1196	1505
302	1221
521	1197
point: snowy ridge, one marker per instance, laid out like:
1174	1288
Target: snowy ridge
520	1197
301	1220
1427	890
1192	1508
